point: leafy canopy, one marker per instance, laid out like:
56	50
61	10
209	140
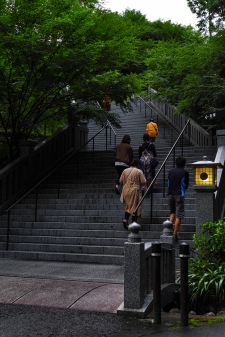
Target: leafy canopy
54	53
211	14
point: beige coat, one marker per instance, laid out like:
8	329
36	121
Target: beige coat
132	180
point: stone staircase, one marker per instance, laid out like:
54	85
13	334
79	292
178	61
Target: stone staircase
84	222
133	124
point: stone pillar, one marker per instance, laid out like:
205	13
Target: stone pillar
135	286
220	156
168	253
205	200
220	136
167	234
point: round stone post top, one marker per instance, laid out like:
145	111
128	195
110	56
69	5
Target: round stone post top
134	235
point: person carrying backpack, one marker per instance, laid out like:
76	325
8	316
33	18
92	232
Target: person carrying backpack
148	158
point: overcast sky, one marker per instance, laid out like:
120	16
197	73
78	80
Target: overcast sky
175	10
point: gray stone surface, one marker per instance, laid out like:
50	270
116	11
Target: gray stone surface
205	199
220	135
134	275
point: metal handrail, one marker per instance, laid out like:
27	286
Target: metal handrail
158	115
161	167
56	168
166	122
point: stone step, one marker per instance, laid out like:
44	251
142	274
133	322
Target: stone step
113	206
61	248
113	200
72	214
157	218
95	226
69	257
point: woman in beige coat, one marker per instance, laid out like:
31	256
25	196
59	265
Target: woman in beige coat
132	179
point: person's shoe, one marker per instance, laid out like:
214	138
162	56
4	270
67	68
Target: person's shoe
125	224
117	190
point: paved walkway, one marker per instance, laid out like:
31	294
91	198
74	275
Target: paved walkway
55	299
62	285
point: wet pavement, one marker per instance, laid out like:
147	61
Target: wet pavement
54	299
61	285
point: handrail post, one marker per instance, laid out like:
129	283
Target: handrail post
174	156
106	138
59	181
36	203
93	150
151	190
110	136
182	145
164	181
8	223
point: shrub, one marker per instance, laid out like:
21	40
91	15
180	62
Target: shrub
211	243
207	270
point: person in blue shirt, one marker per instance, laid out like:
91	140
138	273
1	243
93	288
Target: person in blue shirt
178	181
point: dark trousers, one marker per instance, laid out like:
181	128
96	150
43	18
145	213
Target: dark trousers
120	170
134	217
153	172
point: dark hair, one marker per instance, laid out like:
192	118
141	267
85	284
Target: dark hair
146	137
151	120
135	162
180	162
126	139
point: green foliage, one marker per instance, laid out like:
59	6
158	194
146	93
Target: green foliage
207	270
206	279
210	244
59	52
190	75
211	14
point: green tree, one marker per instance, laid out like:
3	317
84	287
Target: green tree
56	53
211	14
190	75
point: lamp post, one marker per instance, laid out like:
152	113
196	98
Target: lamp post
205	173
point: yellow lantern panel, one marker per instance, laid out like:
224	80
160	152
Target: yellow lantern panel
205	176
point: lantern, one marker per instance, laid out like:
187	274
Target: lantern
205	172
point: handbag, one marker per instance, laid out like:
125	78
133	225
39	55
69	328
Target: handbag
121	197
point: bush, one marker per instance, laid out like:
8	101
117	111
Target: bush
211	243
207	270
